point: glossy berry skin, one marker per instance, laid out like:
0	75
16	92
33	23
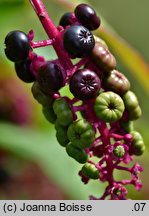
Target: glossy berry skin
66	19
50	77
23	71
78	41
90	171
87	16
81	134
85	84
109	106
103	58
17	46
116	82
78	154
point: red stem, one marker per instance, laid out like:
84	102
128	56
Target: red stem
53	34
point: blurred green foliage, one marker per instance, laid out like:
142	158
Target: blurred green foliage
38	142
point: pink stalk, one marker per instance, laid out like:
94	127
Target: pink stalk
53	34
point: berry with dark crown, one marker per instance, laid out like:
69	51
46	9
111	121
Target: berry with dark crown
85	84
17	46
87	16
78	41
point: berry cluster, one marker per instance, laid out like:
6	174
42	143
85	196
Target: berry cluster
101	96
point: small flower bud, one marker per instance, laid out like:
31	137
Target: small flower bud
109	106
119	151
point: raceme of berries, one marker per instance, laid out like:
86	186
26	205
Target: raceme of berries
95	125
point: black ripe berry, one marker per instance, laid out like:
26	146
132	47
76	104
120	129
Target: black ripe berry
87	16
78	41
66	19
85	84
23	71
50	77
17	46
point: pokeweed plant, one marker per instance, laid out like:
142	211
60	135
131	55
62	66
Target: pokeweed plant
103	139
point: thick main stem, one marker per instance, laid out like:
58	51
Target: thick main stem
52	33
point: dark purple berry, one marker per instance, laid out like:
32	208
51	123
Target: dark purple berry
78	41
87	16
85	84
50	77
17	46
66	19
23	71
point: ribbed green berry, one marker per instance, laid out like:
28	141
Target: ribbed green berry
81	133
127	126
135	113
109	106
90	171
116	82
130	100
76	153
63	111
42	98
49	114
61	134
119	151
138	146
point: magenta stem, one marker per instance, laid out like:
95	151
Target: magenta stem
116	136
43	43
53	34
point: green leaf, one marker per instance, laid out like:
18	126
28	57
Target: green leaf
42	148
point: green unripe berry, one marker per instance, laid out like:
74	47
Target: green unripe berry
63	111
42	98
77	153
109	106
127	126
49	114
135	113
130	100
119	151
116	82
81	134
90	171
138	146
136	136
61	134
